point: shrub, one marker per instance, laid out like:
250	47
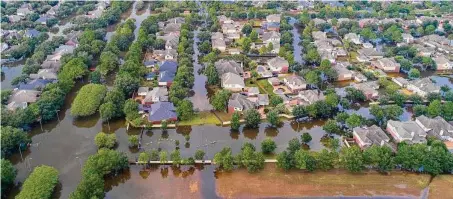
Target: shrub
103	140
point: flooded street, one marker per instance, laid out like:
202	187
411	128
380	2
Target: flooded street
296	39
11	71
200	96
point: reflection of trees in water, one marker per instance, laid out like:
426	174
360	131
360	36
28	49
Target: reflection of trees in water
250	133
299	126
113	181
271	131
234	134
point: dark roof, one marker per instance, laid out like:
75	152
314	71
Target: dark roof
166	76
32	33
150	75
162	111
169	66
34	84
150	62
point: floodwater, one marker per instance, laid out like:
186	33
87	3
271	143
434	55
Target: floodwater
296	39
11	71
199	98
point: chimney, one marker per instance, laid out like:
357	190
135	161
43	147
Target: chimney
412	134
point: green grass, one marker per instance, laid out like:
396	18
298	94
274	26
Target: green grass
268	88
200	119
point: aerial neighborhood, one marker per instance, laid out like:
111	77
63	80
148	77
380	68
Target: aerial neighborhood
348	85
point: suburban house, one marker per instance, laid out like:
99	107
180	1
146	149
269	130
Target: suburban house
169	66
142	91
295	83
273	18
359	77
169	54
228	66
308	97
436	127
232	81
440	43
343	72
367	21
263	72
171	40
22	98
387	65
319	35
367	54
400	81
51	65
368	136
158	94
271	37
218	44
43	19
354	38
409	132
318	21
31	33
423	86
223	19
172	28
407	38
424	51
278	65
443	63
369	89
36	84
238	102
44	74
23	11
161	111
273	81
252	91
165	78
151	63
263	99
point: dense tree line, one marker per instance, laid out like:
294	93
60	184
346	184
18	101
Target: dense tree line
8	174
105	162
40	184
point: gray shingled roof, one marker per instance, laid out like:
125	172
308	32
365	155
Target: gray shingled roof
437	126
240	101
228	66
372	135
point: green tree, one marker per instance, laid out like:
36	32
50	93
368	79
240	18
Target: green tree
175	156
419	110
252	118
224	159
103	140
293	145
185	110
304	160
143	158
299	111
163	157
154	155
250	159
12	140
235	123
354	120
313	78
131	109
211	74
331	126
268	146
352	159
40	184
220	100
254	35
447	111
414	73
326	160
380	157
275	100
285	161
199	154
8	175
306	137
247	29
434	108
88	100
108	62
273	118
246	44
133	140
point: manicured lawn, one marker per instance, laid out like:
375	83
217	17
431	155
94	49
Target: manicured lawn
201	118
264	84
